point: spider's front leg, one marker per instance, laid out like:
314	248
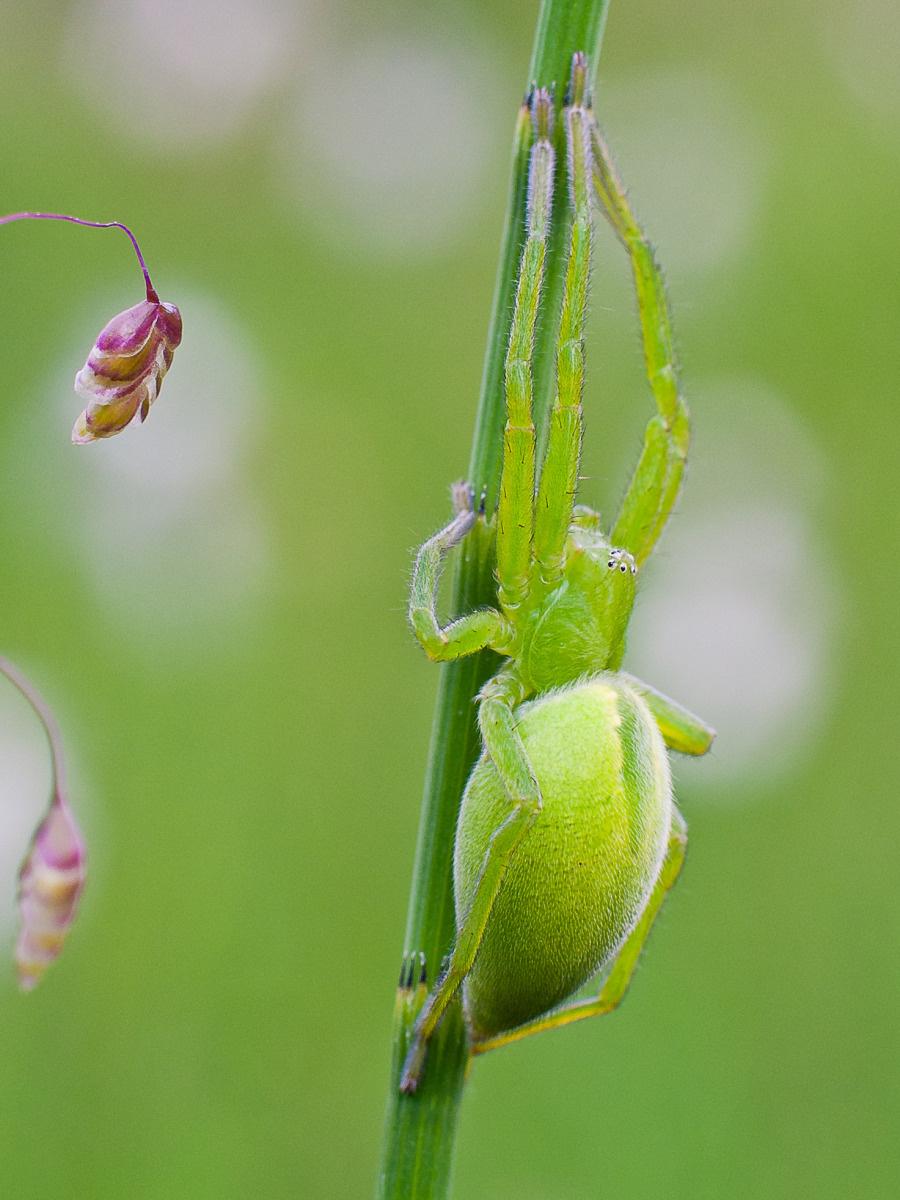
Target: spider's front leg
497	723
559	473
467	634
515	508
656	481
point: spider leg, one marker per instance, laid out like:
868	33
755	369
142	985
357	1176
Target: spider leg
559	474
498	729
515	515
469	633
586	518
618	977
656	481
681	729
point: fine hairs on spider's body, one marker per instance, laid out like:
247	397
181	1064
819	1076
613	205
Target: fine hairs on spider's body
568	837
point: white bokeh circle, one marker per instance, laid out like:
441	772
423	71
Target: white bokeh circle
695	163
178	76
386	154
862	40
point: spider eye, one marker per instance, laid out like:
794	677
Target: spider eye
623	568
610	563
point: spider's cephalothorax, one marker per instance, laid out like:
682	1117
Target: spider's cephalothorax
577	627
568	837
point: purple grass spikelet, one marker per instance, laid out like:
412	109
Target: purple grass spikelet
52	875
51	880
125	369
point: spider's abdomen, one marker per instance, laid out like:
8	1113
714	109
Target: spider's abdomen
580	878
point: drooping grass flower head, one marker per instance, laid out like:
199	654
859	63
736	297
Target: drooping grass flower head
129	360
50	882
53	872
125	369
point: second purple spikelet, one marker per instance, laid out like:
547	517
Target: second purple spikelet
50	883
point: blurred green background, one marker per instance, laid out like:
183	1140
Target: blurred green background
215	603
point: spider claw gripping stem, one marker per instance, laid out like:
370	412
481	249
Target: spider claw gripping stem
412	971
462	496
403	981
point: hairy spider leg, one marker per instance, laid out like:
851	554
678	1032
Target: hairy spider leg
559	474
681	729
500	695
498	698
656	482
515	508
467	634
617	978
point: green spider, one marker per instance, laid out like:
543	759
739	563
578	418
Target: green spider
568	837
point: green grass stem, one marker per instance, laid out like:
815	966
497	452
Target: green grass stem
420	1130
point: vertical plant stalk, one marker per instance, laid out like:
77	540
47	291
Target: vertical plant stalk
420	1129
